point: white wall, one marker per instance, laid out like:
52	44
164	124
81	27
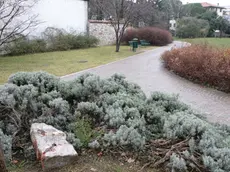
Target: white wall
220	12
66	14
172	24
221	2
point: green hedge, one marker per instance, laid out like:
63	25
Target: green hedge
26	46
53	39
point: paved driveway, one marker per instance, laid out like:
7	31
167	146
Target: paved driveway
146	69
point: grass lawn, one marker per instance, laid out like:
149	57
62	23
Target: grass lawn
63	62
219	42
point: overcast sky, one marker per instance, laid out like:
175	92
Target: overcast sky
221	2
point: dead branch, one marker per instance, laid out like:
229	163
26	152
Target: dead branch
2	160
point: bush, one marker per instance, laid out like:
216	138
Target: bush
53	40
61	40
6	142
129	34
202	64
84	131
155	36
26	46
117	114
82	41
191	27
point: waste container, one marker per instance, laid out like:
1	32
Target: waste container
135	44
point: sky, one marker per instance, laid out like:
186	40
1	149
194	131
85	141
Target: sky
221	2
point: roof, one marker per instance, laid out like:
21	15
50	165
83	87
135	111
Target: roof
208	5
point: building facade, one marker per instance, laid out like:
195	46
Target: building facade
215	8
227	11
63	14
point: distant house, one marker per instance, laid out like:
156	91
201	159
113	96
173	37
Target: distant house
172	25
65	14
218	9
227	11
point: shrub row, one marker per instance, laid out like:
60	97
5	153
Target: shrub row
26	46
201	63
155	36
112	113
52	40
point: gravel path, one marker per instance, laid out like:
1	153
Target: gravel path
146	69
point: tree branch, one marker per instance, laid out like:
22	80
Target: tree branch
15	19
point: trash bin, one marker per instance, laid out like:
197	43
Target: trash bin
135	44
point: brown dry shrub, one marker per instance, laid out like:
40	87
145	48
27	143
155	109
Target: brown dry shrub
201	63
155	36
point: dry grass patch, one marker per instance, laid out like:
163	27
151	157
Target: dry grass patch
91	163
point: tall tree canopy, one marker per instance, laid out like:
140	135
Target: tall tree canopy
150	12
192	10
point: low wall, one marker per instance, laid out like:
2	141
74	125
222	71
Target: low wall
103	31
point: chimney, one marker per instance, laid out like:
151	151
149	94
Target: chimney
218	4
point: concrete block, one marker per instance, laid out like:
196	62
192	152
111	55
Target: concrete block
52	149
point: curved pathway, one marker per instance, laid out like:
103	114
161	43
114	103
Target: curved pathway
146	69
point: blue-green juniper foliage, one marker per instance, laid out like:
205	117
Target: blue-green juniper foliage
120	112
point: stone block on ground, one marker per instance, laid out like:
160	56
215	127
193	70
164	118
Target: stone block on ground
51	146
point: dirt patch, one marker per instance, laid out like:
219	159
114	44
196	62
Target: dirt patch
90	163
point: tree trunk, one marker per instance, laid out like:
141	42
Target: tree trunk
221	33
117	43
117	47
2	160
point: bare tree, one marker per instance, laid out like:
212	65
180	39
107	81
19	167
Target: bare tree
123	13
120	13
15	19
94	11
150	13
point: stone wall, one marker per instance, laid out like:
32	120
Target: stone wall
103	31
